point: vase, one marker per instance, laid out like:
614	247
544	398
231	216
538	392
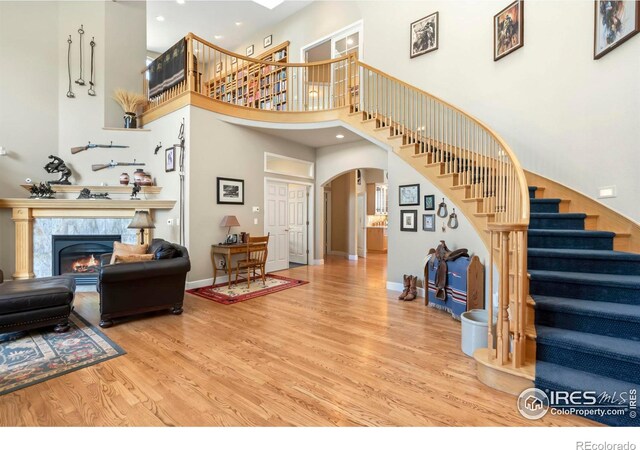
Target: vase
130	120
142	178
124	178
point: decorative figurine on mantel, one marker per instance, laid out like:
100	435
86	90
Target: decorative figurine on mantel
134	191
85	194
57	165
43	190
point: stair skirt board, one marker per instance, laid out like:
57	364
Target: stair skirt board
587	308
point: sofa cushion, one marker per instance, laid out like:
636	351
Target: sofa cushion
163	250
36	293
120	249
124	259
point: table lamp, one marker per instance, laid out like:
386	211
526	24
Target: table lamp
141	220
229	221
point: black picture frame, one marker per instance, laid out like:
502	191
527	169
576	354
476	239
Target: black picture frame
409	195
267	41
249	50
506	41
170	159
601	48
429	202
229	191
408	220
428	222
424	35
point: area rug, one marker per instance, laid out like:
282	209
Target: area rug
31	357
221	292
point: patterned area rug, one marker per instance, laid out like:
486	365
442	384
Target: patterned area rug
221	292
31	357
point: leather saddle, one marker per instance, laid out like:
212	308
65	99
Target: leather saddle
443	254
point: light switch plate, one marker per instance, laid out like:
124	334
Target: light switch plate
255	221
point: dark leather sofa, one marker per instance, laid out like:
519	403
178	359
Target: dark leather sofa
36	303
134	288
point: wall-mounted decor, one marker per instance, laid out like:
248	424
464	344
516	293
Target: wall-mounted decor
409	195
57	165
170	159
453	220
429	202
428	222
408	220
230	191
250	50
615	23
424	35
508	30
442	209
266	42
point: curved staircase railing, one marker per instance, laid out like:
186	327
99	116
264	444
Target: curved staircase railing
475	157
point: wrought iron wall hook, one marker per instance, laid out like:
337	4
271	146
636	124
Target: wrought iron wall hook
70	93
92	91
442	209
80	80
453	220
158	147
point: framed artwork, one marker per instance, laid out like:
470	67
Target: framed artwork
230	191
266	42
424	35
615	23
428	222
408	220
250	50
409	195
170	159
508	30
429	202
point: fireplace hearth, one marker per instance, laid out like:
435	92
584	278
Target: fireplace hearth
79	256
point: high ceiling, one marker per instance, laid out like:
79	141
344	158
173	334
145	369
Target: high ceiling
208	19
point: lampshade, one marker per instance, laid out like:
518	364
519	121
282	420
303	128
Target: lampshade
141	219
229	221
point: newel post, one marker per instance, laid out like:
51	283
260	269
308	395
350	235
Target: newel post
191	69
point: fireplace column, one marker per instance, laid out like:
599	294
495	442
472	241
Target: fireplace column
23	219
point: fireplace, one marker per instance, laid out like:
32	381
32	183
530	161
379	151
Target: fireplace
79	256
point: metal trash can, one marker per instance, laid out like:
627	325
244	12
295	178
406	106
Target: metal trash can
474	330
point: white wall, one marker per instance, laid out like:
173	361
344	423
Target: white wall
565	115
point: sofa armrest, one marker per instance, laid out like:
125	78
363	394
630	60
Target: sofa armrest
1	277
144	269
105	259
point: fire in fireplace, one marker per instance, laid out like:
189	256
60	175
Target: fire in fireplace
79	256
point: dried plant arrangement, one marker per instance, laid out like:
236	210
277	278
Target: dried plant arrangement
128	101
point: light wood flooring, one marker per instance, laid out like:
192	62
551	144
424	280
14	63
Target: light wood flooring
338	351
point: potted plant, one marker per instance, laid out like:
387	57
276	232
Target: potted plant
129	102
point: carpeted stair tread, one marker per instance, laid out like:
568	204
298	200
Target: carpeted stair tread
572	233
558	216
584	254
532	191
630	281
618	311
562	378
546	200
592	344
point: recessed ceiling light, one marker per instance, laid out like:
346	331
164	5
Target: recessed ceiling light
238	24
180	2
340	136
160	18
270	4
218	36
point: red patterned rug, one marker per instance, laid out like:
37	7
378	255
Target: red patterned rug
221	292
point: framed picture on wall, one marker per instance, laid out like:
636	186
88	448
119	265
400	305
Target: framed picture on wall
266	42
170	159
428	222
409	195
508	30
424	35
429	202
408	220
615	23
230	191
250	50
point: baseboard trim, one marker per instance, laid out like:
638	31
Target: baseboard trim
353	257
206	282
317	262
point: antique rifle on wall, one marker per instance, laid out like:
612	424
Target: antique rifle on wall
75	150
96	167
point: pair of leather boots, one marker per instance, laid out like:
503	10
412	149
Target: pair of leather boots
410	291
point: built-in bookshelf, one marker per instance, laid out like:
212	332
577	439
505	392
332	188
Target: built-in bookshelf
255	85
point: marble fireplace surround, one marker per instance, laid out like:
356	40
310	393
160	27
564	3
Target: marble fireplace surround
37	220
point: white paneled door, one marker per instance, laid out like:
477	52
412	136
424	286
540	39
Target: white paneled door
276	224
298	217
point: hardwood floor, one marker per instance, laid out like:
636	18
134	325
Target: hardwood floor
338	351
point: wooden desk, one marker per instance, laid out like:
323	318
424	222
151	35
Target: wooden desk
227	251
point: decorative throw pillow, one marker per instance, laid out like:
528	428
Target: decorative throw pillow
123	259
120	249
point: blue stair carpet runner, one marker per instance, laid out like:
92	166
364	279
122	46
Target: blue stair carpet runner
587	311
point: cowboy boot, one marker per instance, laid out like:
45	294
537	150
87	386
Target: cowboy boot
405	279
413	291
